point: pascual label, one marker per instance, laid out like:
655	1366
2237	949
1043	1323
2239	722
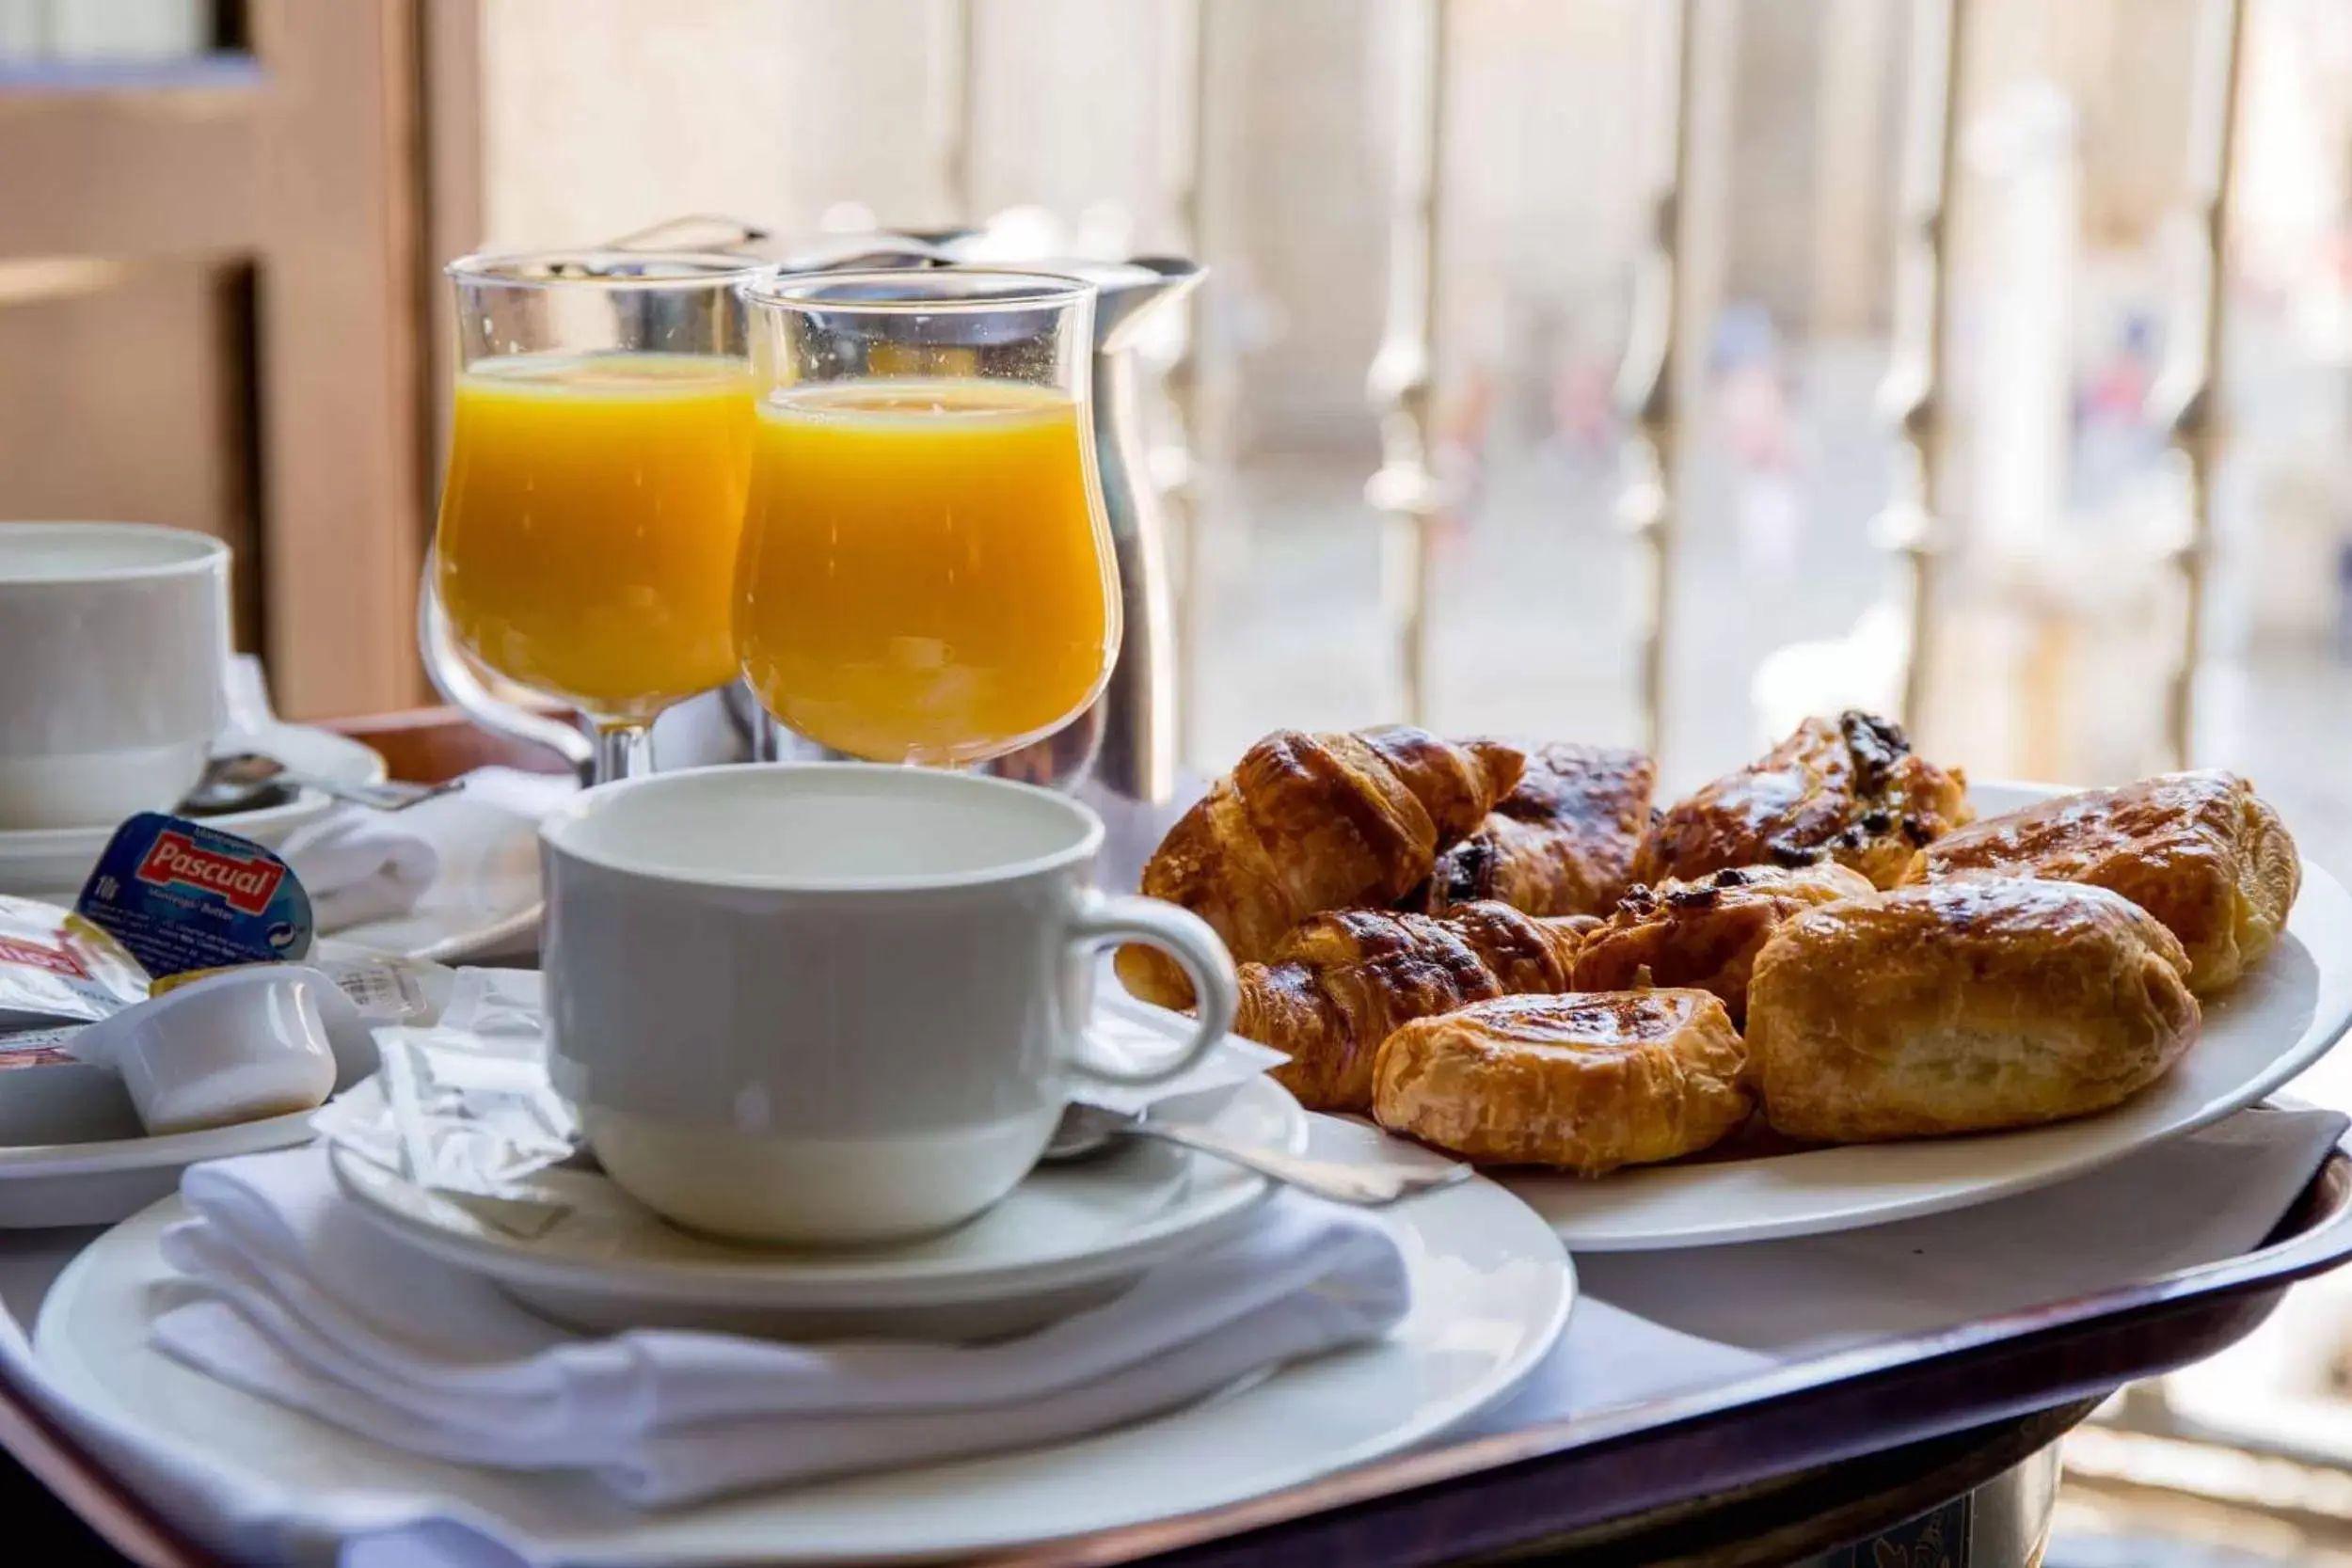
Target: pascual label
185	896
245	882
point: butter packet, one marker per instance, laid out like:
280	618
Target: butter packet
181	896
57	968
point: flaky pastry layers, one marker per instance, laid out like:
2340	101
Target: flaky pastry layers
1342	983
1705	933
1307	823
1587	1082
1848	789
2201	852
1561	841
1963	1006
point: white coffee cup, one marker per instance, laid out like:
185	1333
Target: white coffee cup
834	1004
115	637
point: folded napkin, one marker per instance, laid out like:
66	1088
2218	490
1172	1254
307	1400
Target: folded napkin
359	865
299	1299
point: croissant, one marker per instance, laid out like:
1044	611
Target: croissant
1562	842
1345	981
1307	823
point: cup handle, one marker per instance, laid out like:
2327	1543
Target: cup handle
1100	918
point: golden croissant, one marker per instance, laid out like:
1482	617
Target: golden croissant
1344	982
1307	823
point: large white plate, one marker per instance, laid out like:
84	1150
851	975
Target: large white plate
1491	1292
2278	1020
52	863
1069	1235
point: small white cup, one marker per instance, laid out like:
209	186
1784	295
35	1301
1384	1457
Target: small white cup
237	1046
834	1003
115	637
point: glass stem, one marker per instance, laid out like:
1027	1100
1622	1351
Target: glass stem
623	751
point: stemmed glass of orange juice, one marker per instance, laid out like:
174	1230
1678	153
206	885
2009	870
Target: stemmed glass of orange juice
926	572
600	447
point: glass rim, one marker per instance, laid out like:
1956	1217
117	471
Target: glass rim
1022	289
699	269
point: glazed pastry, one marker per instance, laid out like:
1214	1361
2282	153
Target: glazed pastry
1705	933
1963	1006
1587	1081
1850	790
1307	823
2201	852
1342	982
1562	842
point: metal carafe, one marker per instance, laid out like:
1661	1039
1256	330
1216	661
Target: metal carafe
1126	742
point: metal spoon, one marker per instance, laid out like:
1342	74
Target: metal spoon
1087	1128
247	781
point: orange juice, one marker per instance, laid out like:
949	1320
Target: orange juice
924	576
589	523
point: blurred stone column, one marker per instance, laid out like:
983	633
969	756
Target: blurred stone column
1915	398
2187	394
1401	382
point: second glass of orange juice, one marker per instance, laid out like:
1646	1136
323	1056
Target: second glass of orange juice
926	573
600	447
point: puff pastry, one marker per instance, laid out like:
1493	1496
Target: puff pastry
1342	982
1307	823
1587	1082
1962	1006
1705	933
1561	842
1850	790
2201	852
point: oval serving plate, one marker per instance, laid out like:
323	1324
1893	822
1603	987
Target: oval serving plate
2274	1024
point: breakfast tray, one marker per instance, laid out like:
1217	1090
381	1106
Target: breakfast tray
1709	1470
1866	1437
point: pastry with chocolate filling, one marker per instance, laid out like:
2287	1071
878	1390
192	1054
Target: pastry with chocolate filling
2201	852
1562	842
1963	1006
1848	789
1705	933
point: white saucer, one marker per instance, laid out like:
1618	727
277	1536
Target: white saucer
2277	1022
1070	1235
484	901
1491	1292
52	863
107	1180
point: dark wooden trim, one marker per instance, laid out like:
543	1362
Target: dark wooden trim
75	1478
433	744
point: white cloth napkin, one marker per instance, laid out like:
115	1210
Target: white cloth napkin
302	1301
359	865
